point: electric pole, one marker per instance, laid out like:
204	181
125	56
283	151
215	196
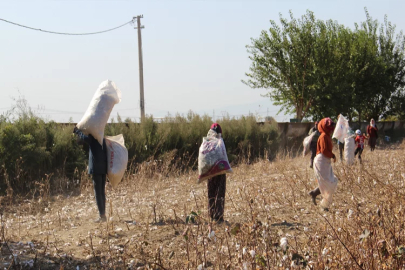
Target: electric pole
142	98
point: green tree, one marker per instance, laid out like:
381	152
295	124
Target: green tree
282	62
318	68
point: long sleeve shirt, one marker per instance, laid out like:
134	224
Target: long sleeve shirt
325	146
97	154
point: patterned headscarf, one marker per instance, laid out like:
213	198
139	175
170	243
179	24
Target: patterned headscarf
217	128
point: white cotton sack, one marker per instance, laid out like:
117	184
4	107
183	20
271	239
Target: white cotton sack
117	158
95	118
350	148
342	126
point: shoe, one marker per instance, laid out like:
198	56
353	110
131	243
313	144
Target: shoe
311	166
314	193
326	209
313	197
101	219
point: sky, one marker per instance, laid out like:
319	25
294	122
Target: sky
194	53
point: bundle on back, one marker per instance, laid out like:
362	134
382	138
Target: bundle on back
212	158
99	110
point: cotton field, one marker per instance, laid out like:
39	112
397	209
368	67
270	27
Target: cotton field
271	222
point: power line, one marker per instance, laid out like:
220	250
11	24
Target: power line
70	34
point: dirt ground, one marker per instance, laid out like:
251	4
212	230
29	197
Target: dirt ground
146	226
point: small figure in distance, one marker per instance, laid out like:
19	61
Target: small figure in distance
97	168
372	132
360	143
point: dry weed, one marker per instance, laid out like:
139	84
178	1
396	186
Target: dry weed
159	221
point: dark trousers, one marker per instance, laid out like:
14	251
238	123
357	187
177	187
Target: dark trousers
216	197
372	142
341	148
313	152
99	192
358	151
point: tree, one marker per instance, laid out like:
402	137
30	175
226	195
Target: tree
282	61
318	68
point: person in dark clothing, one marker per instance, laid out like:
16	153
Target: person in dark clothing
216	186
372	132
97	168
314	142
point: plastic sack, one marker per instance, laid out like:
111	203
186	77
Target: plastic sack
341	129
350	147
307	144
117	158
95	118
212	158
327	181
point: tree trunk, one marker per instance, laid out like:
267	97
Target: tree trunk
299	109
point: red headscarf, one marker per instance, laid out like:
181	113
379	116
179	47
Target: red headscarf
324	144
326	125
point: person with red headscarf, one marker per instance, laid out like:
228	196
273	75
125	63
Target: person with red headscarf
327	182
216	185
372	132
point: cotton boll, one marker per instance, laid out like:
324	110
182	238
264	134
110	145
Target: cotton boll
252	253
283	243
350	213
244	251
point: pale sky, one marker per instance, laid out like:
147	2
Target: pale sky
194	53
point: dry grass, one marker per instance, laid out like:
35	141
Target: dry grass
265	203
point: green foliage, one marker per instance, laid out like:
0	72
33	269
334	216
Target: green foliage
318	68
31	148
244	138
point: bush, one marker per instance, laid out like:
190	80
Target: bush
32	149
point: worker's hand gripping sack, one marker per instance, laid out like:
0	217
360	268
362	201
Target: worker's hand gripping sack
212	158
117	158
98	112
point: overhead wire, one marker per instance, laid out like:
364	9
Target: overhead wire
63	33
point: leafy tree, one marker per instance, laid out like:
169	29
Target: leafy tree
318	68
282	61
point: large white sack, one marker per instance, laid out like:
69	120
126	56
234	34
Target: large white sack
341	129
307	144
212	158
349	150
95	118
117	158
327	181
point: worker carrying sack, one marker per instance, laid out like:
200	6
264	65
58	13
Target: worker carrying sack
307	144
98	112
117	158
212	158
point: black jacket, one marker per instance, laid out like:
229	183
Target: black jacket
97	154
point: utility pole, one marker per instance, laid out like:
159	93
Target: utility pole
142	97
